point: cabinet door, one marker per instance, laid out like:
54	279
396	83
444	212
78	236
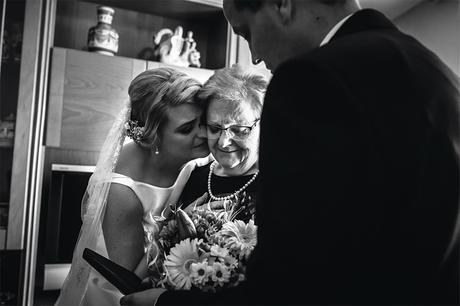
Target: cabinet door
87	91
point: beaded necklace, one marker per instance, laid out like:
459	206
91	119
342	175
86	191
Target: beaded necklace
213	197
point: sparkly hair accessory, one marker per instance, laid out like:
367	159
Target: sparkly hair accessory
134	131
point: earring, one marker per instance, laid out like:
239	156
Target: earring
156	150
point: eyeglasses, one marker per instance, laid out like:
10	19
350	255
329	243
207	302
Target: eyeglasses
237	132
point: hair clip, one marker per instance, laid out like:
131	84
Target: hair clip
134	131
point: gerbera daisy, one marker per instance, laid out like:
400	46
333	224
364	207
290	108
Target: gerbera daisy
200	272
220	273
240	237
178	263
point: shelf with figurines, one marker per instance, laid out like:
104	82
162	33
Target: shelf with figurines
184	33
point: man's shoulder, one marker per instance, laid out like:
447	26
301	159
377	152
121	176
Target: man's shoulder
358	53
349	50
360	46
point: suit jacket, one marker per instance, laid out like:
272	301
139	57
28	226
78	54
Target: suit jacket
359	177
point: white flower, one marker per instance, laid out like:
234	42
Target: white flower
218	251
200	272
230	261
178	263
220	273
240	237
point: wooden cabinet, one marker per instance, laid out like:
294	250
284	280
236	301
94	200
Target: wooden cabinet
137	21
68	96
87	90
199	74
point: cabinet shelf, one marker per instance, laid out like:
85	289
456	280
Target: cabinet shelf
87	89
137	21
180	9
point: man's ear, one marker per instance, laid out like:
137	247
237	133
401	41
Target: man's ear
285	10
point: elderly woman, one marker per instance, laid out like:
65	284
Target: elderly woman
233	100
233	105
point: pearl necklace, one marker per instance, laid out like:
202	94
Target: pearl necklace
213	197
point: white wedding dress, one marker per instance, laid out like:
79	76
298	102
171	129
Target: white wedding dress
99	291
83	285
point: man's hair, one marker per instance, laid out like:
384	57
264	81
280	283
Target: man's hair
252	5
255	5
333	2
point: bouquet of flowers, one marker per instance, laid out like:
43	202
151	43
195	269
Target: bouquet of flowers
203	250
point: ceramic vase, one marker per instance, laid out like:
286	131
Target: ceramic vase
103	38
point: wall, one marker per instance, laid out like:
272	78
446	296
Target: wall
391	8
437	25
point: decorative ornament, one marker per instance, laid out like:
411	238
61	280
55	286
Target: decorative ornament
103	38
134	131
171	48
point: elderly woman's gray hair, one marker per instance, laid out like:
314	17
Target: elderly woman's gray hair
235	84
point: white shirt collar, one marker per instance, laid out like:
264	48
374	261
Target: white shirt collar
334	30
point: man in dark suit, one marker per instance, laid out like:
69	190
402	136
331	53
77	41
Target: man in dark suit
359	162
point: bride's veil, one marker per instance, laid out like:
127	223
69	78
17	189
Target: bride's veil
93	210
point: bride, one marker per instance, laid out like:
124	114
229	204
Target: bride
132	183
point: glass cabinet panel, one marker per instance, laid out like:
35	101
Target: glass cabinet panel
11	30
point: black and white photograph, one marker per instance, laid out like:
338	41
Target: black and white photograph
229	152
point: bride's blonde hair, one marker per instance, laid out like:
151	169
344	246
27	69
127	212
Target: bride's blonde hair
152	93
